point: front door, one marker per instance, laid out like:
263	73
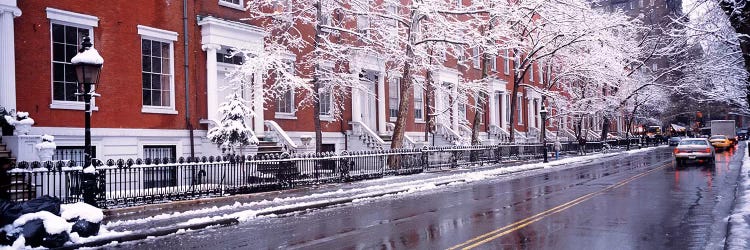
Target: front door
368	103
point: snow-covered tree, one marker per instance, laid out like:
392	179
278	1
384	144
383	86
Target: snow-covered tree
233	132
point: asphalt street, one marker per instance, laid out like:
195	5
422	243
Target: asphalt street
631	201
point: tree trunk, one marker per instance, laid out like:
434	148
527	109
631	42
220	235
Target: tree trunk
479	101
513	98
316	88
605	128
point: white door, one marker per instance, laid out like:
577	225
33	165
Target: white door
368	106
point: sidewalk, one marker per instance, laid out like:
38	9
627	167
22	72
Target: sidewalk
175	216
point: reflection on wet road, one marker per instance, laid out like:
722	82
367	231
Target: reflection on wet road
638	201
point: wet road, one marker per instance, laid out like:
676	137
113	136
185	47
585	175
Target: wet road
639	201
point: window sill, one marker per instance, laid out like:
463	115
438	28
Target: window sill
419	121
392	119
325	118
287	116
70	105
159	110
231	6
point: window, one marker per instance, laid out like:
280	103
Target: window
225	56
418	102
280	6
507	108
393	97
475	57
541	74
72	153
462	112
324	99
235	4
363	26
157	67
493	62
67	30
506	63
285	102
531	72
159	176
519	108
393	10
459	4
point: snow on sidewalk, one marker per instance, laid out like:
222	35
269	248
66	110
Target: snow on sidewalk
394	185
739	221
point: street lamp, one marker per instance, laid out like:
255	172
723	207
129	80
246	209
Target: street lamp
543	113
88	64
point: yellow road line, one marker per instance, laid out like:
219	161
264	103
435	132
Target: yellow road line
476	241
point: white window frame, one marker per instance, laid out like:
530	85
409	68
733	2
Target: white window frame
475	57
506	63
519	108
459	4
292	60
507	109
327	116
169	37
419	105
81	21
541	74
240	6
393	86
531	71
363	30
493	62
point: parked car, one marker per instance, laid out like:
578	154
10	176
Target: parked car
694	149
720	141
742	135
673	141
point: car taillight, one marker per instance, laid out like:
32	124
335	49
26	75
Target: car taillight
708	150
676	151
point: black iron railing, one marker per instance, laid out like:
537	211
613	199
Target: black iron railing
133	182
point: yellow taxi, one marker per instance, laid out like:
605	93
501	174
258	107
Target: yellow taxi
720	141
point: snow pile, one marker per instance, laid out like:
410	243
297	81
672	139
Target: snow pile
89	56
43	222
48	142
739	220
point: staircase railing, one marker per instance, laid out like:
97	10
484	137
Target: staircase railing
367	136
499	133
465	131
278	135
450	135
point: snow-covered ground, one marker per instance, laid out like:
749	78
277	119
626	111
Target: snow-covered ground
375	189
739	229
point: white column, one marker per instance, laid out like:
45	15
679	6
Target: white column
212	90
259	126
530	111
381	104
8	11
454	108
504	111
493	108
356	112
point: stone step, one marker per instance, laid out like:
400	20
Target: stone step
3	147
4	154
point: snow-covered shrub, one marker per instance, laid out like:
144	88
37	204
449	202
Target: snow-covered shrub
21	122
232	132
46	148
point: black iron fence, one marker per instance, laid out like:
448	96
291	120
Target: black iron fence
133	182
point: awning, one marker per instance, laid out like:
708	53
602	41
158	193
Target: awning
678	128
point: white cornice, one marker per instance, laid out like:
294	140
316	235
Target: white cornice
72	17
230	33
157	33
10	6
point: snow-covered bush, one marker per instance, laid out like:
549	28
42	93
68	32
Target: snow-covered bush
21	121
46	148
232	131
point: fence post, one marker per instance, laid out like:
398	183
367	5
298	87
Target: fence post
425	158
90	186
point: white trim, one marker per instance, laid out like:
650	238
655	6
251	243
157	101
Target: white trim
171	109
72	17
286	116
159	109
232	5
157	34
231	34
72	105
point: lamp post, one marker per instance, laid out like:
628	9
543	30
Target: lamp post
88	64
543	113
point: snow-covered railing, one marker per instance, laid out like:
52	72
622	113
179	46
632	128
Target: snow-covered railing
277	134
450	135
499	133
141	181
367	136
551	136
